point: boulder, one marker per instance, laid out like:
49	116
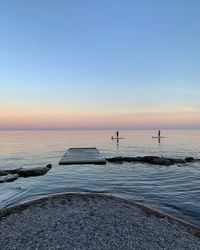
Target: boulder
175	161
162	161
189	159
9	171
156	160
3	172
149	159
115	159
146	159
34	171
132	159
13	171
9	178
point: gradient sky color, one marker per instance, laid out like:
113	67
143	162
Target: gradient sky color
99	64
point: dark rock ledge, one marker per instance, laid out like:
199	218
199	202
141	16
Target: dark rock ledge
152	160
13	174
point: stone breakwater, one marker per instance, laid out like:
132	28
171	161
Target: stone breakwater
13	174
152	160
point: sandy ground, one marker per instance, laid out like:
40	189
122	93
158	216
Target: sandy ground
92	221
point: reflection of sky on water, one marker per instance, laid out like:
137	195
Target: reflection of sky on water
173	189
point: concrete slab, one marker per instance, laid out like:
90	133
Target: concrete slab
82	156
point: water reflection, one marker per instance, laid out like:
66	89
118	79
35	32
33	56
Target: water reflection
172	189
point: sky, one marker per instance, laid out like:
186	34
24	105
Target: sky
109	64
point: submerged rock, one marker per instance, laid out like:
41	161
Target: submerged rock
9	178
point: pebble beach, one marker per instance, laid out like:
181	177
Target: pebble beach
92	221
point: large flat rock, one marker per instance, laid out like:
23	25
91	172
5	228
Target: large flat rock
82	156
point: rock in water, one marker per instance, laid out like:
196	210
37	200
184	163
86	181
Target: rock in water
146	159
34	171
9	171
3	172
9	178
13	171
116	159
162	161
189	159
175	161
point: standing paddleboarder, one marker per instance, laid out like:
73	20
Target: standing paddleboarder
117	136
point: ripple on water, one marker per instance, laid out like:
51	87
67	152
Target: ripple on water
173	189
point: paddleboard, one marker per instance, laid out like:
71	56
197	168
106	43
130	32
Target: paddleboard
115	138
154	137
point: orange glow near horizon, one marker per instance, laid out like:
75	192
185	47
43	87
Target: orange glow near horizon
98	119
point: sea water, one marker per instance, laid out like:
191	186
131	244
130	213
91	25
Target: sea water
172	189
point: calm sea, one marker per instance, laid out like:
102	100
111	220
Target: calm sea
174	189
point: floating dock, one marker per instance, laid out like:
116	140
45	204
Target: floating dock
82	156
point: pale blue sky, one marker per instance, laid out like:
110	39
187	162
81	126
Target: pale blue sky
92	55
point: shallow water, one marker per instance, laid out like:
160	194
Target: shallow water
173	189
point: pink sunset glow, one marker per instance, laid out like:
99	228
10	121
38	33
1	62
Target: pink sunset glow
100	120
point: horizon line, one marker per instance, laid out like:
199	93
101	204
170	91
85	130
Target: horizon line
87	129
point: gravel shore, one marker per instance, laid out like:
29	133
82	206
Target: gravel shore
92	221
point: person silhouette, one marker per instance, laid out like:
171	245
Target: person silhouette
117	135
